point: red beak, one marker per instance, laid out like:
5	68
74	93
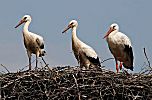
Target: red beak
110	30
21	22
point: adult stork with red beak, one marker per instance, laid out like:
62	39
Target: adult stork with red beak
120	46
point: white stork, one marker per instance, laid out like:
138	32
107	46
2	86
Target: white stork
84	54
33	42
120	47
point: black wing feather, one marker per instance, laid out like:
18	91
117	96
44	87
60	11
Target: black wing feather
128	50
95	61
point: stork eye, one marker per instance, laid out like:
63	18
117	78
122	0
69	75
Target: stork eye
25	18
72	23
114	27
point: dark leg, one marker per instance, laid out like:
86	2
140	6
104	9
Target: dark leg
30	63
117	65
29	56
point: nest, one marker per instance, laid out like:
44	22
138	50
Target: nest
71	83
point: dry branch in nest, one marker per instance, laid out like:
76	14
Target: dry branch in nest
71	83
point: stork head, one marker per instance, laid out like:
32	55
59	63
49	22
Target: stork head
24	19
72	24
113	27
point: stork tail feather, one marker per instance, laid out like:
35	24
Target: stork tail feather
95	61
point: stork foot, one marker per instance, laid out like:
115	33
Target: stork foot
120	66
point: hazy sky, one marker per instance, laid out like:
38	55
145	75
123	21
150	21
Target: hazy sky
50	17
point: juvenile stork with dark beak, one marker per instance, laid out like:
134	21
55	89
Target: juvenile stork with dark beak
120	47
34	43
84	54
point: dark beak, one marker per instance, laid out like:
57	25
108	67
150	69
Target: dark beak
69	26
21	22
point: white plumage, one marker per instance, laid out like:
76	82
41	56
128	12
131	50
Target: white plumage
84	54
120	47
33	43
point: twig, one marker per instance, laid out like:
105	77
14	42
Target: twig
44	61
106	60
142	67
27	65
76	86
46	65
147	59
3	72
5	68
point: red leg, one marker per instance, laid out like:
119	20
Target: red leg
120	66
117	68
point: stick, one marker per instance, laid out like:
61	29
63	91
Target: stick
5	68
106	60
147	58
44	61
46	65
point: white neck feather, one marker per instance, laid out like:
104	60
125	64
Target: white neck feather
25	29
74	33
75	39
